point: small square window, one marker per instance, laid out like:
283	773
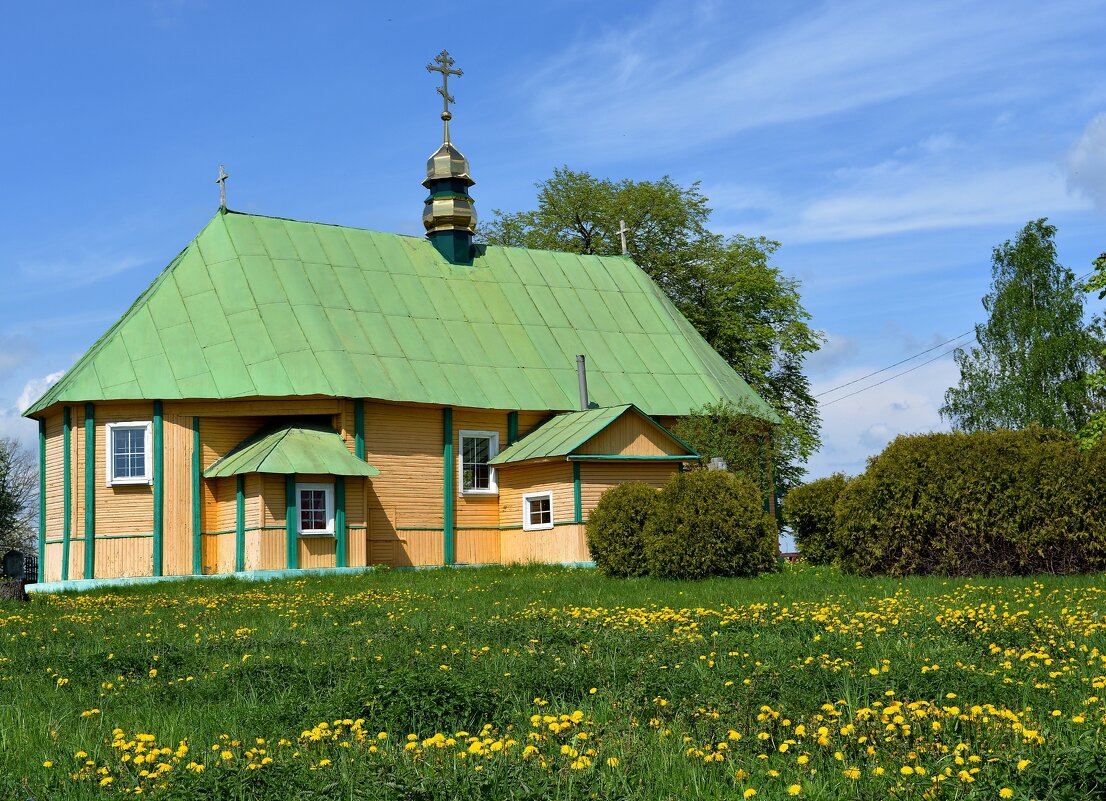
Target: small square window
315	509
475	450
537	511
129	453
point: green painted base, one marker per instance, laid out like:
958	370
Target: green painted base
455	246
81	585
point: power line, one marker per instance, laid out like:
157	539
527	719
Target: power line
1077	281
896	364
891	378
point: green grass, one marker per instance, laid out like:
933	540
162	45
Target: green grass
802	682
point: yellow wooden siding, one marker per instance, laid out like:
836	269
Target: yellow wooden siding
219	435
518	480
125	557
256	407
53	562
477	547
54	496
123	508
560	544
528	421
317	551
405	444
597	477
630	435
177	497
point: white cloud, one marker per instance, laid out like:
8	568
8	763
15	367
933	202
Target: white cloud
909	198
35	388
1086	162
861	426
677	79
836	349
79	272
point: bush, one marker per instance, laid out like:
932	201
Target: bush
709	523
809	511
986	503
614	529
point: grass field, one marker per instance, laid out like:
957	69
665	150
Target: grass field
557	683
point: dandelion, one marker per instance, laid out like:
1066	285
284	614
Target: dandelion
795	789
749	793
1005	792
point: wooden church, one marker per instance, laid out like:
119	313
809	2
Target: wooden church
289	395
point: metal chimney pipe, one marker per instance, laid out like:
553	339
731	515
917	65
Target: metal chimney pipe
582	374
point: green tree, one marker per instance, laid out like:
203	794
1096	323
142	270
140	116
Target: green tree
726	287
18	495
1034	352
1094	429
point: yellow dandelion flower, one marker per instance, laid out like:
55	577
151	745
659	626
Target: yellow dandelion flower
1005	792
749	793
795	789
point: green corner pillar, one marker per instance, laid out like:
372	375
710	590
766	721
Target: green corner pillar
341	541
197	500
448	500
512	428
41	501
66	489
240	524
89	490
577	506
159	489
359	428
292	542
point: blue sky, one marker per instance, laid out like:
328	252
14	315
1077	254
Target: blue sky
887	146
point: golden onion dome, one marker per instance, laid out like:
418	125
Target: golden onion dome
447	162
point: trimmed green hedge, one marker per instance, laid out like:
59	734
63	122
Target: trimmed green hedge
614	529
709	523
808	510
988	503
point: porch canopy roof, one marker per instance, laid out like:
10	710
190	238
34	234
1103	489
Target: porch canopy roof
292	449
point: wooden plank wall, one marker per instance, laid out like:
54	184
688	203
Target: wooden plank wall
630	435
561	544
176	551
517	480
597	477
405	444
54	505
121	510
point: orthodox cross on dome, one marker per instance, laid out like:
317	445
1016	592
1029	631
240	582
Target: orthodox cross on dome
222	181
445	63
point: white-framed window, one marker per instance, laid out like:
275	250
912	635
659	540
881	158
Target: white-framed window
474	450
537	511
315	510
129	453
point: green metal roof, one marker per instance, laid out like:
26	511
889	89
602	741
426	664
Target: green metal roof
292	449
262	306
565	433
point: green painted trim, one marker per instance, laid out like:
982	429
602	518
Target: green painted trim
577	504
197	503
512	428
292	559
89	490
159	488
357	528
448	520
143	536
53	542
614	457
240	524
66	490
41	500
359	428
341	543
419	528
221	533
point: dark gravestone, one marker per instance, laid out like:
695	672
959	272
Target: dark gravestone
15	565
11	590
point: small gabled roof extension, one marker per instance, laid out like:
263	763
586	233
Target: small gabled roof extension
575	436
265	307
292	449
